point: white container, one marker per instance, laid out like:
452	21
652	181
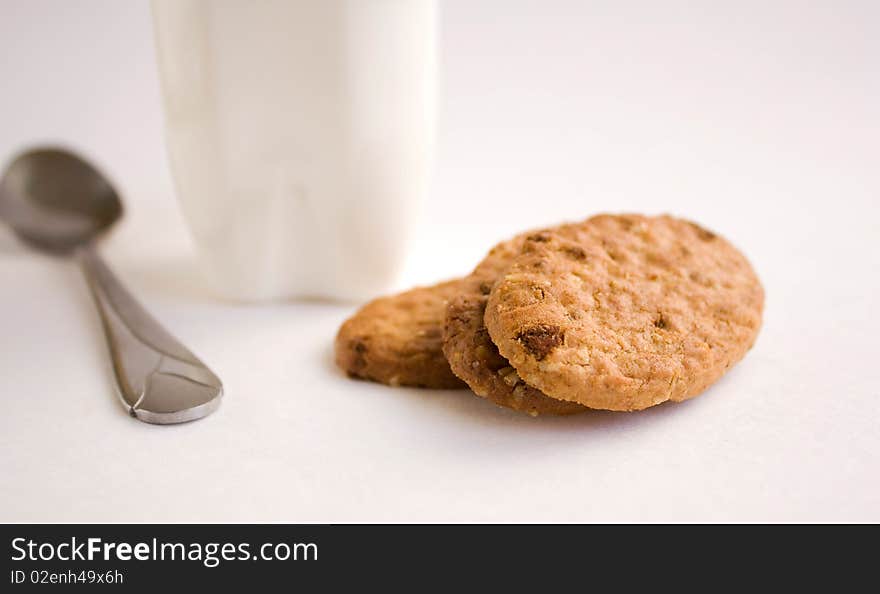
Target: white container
300	136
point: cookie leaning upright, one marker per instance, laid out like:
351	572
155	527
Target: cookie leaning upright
398	340
472	354
626	312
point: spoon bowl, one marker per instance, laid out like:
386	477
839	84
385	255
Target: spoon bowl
56	201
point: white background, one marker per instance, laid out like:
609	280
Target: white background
760	120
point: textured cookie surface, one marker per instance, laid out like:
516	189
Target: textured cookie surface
472	354
475	358
398	340
623	312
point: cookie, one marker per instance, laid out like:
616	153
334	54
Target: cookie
624	312
398	340
472	354
475	359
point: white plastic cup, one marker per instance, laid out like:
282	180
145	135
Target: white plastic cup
300	135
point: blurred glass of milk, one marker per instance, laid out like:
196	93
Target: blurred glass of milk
300	135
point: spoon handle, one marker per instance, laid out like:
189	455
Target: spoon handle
159	379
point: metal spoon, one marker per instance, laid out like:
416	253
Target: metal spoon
59	204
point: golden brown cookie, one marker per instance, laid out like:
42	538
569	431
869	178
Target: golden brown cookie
398	340
625	311
472	354
475	358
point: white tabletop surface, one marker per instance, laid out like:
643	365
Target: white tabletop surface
760	120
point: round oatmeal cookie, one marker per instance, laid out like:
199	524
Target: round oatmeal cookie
624	312
398	340
475	358
472	354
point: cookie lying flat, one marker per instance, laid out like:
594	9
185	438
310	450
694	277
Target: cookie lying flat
472	354
627	312
398	340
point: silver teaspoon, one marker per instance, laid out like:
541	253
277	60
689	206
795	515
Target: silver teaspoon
59	204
